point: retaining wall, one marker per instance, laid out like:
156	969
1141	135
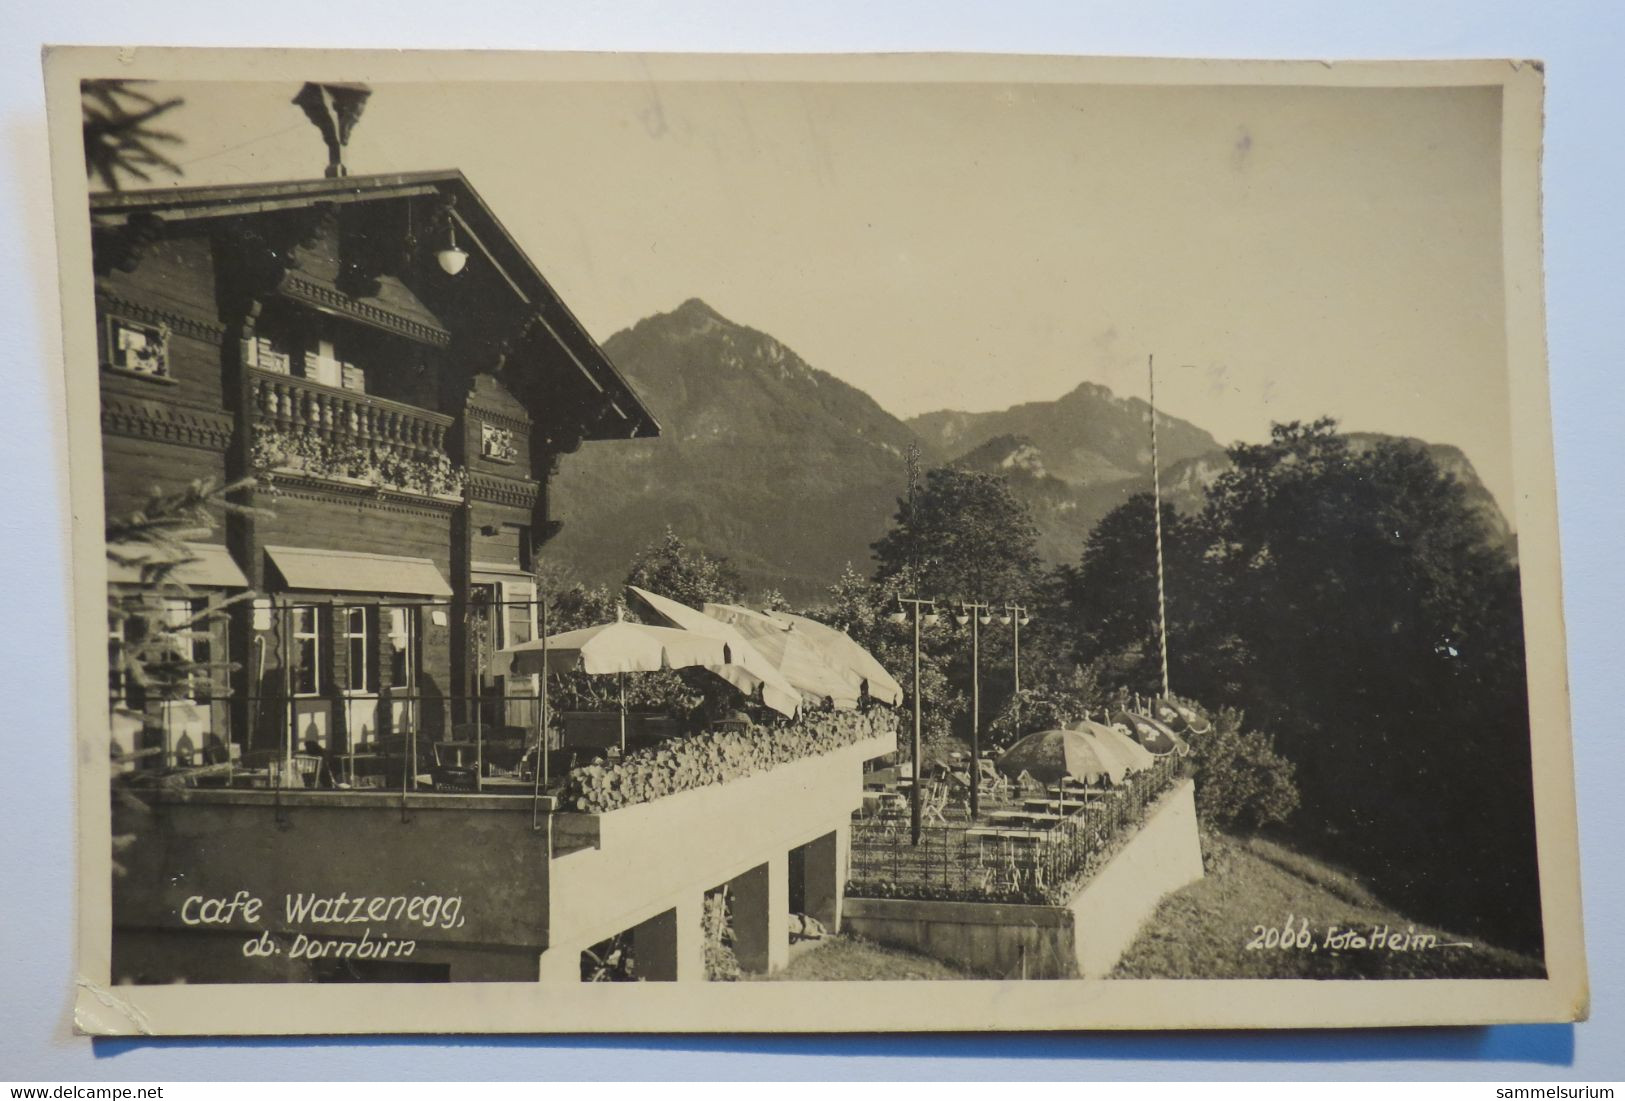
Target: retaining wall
664	855
1083	938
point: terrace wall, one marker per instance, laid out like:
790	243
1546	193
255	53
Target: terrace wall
1083	938
664	855
646	865
201	844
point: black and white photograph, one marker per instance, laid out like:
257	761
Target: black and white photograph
1006	532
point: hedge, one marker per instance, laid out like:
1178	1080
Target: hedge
716	757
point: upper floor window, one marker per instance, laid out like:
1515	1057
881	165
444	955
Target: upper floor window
497	443
323	364
315	358
293	339
138	348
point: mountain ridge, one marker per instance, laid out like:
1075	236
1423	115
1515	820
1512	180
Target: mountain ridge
1117	445
791	473
759	449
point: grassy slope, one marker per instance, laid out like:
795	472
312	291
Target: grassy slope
1202	931
847	959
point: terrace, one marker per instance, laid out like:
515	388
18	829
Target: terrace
624	848
1035	846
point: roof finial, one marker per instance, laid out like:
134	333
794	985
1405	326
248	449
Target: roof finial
335	109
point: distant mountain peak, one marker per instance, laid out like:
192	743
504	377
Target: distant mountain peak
759	449
696	308
692	318
1094	391
1007	454
1087	436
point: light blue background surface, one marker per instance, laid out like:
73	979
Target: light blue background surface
1583	45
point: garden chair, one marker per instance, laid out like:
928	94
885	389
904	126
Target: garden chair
893	819
991	780
935	802
306	771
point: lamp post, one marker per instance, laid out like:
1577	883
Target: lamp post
1016	615
919	615
977	615
540	771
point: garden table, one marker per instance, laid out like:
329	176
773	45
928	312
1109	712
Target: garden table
985	832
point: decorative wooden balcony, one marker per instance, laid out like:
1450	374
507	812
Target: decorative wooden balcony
323	432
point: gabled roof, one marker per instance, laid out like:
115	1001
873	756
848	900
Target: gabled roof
478	229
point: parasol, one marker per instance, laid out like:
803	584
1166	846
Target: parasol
1155	736
794	654
618	647
840	651
1176	715
747	668
1118	742
1053	755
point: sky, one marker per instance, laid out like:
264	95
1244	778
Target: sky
1285	253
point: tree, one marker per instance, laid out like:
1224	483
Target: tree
963	536
1357	604
861	607
1241	782
1052	701
1110	597
665	565
157	655
157	651
669	568
118	137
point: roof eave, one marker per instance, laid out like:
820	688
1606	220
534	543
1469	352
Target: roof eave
111	208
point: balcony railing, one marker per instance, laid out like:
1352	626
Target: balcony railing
295	404
324	432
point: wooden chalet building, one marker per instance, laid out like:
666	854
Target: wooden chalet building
399	377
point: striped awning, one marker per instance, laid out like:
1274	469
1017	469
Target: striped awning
211	566
338	571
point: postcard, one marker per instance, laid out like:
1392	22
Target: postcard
612	543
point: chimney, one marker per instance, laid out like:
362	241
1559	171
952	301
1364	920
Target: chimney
334	109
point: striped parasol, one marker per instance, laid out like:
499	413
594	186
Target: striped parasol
1133	755
1155	736
1053	755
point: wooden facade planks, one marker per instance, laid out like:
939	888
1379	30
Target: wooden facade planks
432	393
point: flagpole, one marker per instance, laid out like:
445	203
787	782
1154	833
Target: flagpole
1156	496
620	678
542	768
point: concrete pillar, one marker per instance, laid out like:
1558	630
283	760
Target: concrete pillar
690	912
843	866
821	870
559	966
761	916
655	947
670	947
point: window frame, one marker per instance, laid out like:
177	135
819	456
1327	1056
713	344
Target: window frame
298	668
345	618
407	655
511	600
181	614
